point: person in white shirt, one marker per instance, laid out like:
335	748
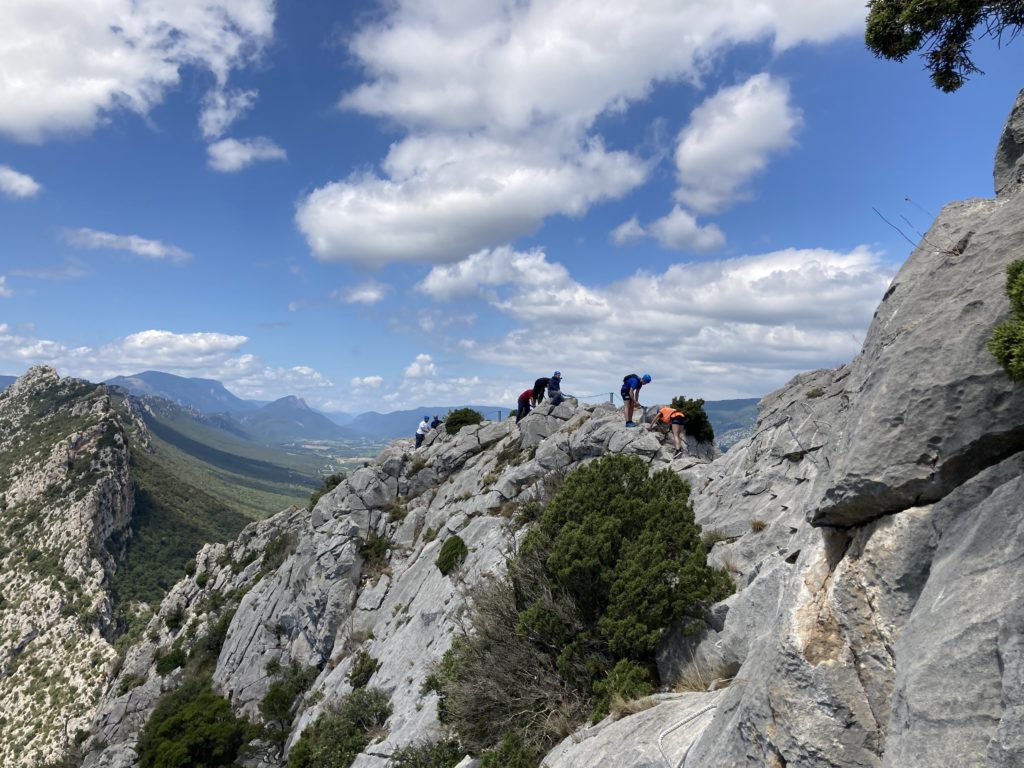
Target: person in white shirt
421	430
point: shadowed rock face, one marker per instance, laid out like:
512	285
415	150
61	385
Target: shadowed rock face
879	617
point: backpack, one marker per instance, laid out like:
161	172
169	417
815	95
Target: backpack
629	376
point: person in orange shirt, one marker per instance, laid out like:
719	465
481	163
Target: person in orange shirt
676	421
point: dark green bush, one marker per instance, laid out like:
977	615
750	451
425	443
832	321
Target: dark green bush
453	554
697	422
334	740
511	753
330	483
192	726
277	551
438	754
1007	342
176	657
459	418
614	561
278	704
362	669
175	618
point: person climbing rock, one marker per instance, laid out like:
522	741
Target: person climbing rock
539	387
421	430
675	419
436	422
524	405
630	393
555	388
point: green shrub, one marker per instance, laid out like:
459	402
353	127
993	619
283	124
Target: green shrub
459	418
330	483
130	683
511	753
375	550
334	740
175	618
615	560
190	567
697	422
362	669
192	726
277	551
174	658
627	681
203	579
816	392
453	554
278	704
438	754
1007	342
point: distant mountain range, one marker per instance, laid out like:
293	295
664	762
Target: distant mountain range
291	420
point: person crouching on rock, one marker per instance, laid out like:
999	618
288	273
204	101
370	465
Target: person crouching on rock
676	420
539	387
523	405
630	393
555	388
421	430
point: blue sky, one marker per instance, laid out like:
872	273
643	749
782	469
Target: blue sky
381	205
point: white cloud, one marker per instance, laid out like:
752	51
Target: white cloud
204	354
444	197
71	270
725	328
221	108
18	185
368	293
422	367
69	64
4	290
679	230
491	268
628	232
150	249
371	382
231	155
730	138
499	103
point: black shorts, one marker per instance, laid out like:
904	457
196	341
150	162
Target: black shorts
624	394
680	420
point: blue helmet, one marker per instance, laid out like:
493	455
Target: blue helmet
556	374
647	378
426	418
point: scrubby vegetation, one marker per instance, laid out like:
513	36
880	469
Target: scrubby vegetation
697	422
1007	342
362	669
438	754
453	553
335	739
615	559
278	704
459	418
192	726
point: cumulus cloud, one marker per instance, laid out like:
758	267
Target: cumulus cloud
204	354
367	293
149	249
69	64
372	382
231	155
628	232
680	231
730	138
499	104
4	290
18	185
491	268
221	108
443	197
730	327
422	367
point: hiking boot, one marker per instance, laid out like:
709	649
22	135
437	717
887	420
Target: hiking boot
630	424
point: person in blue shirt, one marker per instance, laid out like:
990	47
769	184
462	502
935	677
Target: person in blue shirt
555	388
630	393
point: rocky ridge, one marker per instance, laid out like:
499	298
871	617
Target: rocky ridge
65	499
872	524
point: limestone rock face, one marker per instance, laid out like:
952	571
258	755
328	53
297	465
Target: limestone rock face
307	588
65	490
1009	168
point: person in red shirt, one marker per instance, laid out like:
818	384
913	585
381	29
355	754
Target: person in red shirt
524	404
